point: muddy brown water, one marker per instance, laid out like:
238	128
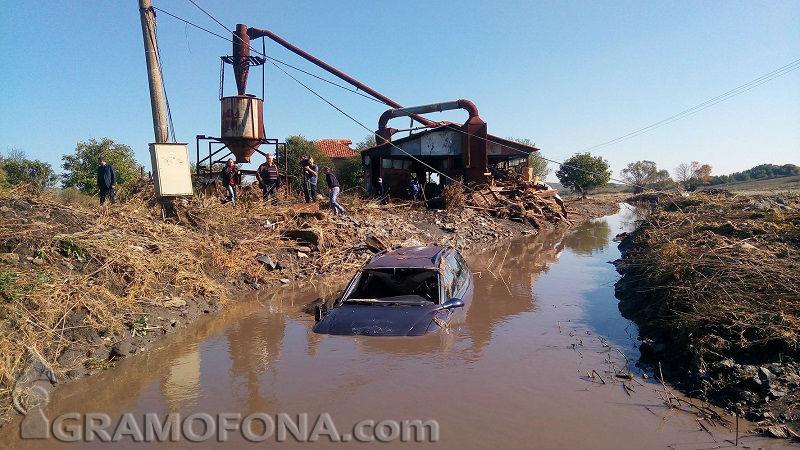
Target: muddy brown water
514	375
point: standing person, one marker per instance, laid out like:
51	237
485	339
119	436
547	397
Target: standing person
303	165
333	189
106	181
413	189
310	172
268	180
381	191
230	178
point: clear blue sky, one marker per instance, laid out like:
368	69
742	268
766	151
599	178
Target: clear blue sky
567	75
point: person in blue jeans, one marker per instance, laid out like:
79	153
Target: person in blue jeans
333	189
230	178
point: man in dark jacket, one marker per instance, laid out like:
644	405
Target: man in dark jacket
333	191
268	179
381	191
106	181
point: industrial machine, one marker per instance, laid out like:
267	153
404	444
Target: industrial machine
241	121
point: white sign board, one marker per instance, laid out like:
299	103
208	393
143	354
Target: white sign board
171	174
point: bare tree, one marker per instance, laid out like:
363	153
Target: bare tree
684	172
691	175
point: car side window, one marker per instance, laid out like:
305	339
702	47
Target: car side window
458	273
463	270
449	287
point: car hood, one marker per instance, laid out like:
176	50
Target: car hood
377	320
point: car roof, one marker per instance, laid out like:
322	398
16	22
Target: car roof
408	257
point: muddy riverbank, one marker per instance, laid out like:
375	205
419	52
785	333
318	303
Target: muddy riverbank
86	288
711	280
541	361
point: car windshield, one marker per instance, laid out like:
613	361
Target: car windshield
399	286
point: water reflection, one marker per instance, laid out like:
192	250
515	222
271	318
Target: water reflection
589	237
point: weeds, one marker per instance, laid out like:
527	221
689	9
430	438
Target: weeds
71	248
139	327
97	363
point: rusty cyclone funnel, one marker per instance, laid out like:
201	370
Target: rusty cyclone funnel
242	125
242	116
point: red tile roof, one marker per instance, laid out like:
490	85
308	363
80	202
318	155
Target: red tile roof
336	148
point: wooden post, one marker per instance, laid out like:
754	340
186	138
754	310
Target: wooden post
153	72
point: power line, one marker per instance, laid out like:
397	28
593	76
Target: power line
783	70
340	86
697	108
333	105
273	61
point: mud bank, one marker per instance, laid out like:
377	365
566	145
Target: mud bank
83	288
711	281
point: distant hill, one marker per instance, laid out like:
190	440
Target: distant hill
776	184
760	172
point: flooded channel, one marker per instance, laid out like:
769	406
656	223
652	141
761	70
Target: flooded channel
513	376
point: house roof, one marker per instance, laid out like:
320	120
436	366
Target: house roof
516	146
335	148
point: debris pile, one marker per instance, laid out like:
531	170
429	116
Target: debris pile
511	196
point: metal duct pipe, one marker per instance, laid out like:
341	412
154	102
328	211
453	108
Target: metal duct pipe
433	107
254	33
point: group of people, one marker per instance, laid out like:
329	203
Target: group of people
269	181
381	191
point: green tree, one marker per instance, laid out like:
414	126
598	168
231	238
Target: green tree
645	174
18	169
584	172
80	167
536	162
367	142
539	165
662	180
296	146
351	172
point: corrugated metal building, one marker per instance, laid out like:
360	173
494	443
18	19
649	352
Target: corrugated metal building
446	148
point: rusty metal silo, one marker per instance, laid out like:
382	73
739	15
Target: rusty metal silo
242	122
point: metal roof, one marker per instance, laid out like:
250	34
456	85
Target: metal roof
451	126
408	257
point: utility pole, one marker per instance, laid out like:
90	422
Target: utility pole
153	72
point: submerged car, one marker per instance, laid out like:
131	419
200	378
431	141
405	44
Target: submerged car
408	291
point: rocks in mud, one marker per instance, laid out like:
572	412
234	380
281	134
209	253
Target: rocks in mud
9	258
120	350
175	303
33	383
267	261
308	235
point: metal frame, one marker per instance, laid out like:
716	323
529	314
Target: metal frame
204	166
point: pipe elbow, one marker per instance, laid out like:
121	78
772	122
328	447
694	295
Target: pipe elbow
469	107
383	121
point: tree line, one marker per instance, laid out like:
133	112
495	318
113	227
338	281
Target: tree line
79	167
760	172
581	173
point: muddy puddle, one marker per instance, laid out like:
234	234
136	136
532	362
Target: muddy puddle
513	376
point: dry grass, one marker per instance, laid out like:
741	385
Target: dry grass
85	273
720	273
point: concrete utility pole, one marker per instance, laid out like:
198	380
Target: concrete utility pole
153	72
